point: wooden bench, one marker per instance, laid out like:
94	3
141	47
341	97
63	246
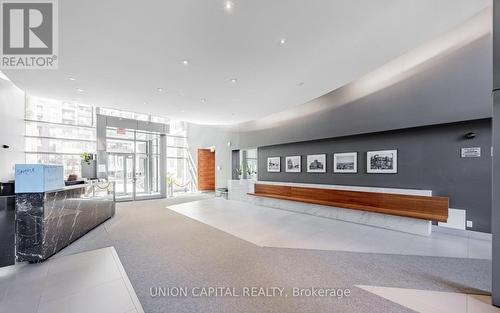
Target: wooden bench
421	207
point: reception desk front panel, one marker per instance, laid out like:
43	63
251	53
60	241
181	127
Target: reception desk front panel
49	221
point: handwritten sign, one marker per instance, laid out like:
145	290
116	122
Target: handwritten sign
38	177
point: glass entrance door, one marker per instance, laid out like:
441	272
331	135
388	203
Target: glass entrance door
121	171
133	163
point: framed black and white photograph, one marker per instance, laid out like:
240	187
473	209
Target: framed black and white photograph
316	163
345	162
273	164
382	162
292	164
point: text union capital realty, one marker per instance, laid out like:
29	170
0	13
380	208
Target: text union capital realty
246	292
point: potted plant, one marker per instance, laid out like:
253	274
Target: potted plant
88	165
170	184
250	172
87	157
239	172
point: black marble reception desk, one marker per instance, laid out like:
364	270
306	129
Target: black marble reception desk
48	221
7	224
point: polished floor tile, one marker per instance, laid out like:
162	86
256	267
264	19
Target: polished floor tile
92	281
269	227
109	297
429	301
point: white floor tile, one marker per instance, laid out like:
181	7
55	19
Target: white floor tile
479	249
111	297
480	304
93	281
271	227
25	305
79	273
428	301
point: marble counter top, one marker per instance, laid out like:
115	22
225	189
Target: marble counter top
79	186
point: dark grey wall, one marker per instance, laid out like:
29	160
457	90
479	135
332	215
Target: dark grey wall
428	158
449	88
495	211
496	44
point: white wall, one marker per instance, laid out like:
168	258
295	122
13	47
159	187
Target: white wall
11	128
205	137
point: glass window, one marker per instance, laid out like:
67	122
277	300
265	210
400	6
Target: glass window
41	129
47	110
179	175
251	153
58	145
176	152
173	141
57	132
124	114
177	128
159	119
141	147
119	146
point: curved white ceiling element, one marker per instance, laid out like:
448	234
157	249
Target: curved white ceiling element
225	66
388	74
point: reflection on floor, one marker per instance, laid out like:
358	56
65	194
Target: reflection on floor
92	281
435	301
268	227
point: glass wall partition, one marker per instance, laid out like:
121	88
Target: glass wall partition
180	165
247	164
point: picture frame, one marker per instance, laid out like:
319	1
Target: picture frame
382	162
293	164
345	162
273	164
316	163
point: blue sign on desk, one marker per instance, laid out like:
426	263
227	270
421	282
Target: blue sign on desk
38	177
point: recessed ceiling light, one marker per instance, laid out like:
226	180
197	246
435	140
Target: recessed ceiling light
234	80
228	5
182	111
283	41
203	100
185	62
159	89
79	89
72	78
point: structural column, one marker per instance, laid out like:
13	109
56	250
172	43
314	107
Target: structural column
495	212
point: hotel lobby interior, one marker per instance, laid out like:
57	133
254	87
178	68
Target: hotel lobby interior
249	156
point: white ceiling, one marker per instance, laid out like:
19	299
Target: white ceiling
120	52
